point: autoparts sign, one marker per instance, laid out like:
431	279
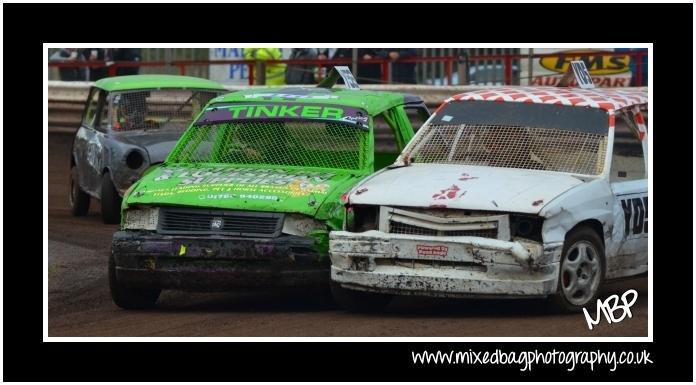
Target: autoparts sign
607	70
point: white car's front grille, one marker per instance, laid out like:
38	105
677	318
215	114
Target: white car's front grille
402	228
449	223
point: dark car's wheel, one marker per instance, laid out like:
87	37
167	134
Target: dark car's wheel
110	201
581	270
359	301
130	298
79	200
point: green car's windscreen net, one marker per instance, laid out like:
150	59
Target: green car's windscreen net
283	143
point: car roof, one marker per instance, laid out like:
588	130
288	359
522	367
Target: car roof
373	102
607	99
136	82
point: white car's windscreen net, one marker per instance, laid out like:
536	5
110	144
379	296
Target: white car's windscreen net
512	147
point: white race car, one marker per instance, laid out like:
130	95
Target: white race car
504	192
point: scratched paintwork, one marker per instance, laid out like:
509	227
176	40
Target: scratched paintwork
309	197
385	262
97	150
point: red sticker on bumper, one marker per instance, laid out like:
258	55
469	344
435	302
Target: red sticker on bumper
428	251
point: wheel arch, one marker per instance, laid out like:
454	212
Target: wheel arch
591	223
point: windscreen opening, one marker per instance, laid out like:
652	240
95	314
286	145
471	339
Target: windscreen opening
283	143
515	135
165	109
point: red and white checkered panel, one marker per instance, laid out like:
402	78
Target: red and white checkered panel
640	121
606	99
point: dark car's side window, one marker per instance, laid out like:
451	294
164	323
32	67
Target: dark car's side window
96	110
103	111
91	108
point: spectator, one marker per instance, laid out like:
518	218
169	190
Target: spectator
126	54
367	73
301	73
402	72
69	73
325	53
96	55
275	73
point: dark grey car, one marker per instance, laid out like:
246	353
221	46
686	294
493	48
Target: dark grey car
129	124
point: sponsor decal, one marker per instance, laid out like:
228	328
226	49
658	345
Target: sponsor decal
430	250
596	64
606	70
216	223
636	216
216	196
290	96
223	183
259	197
279	111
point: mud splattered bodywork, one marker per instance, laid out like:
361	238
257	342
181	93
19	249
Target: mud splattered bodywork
252	189
482	200
216	263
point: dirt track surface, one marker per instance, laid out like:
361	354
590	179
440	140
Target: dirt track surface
79	303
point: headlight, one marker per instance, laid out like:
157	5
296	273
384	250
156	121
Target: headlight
526	226
296	224
141	218
135	159
360	218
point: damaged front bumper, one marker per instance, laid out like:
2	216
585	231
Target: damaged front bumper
216	263
443	266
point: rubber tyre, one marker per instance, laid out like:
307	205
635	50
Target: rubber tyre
130	298
574	239
110	201
359	301
79	200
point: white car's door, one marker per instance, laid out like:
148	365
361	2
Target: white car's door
629	185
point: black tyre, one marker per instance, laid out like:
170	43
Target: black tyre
130	298
79	200
581	272
359	301
110	201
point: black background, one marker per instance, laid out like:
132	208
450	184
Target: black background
25	26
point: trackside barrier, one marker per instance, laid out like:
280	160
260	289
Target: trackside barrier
506	60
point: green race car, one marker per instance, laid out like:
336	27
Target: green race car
250	192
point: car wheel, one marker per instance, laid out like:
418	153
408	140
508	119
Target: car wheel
79	200
581	270
130	298
359	301
110	201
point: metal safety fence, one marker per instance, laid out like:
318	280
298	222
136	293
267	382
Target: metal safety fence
457	67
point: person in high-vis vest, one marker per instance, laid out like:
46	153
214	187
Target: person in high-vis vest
275	73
